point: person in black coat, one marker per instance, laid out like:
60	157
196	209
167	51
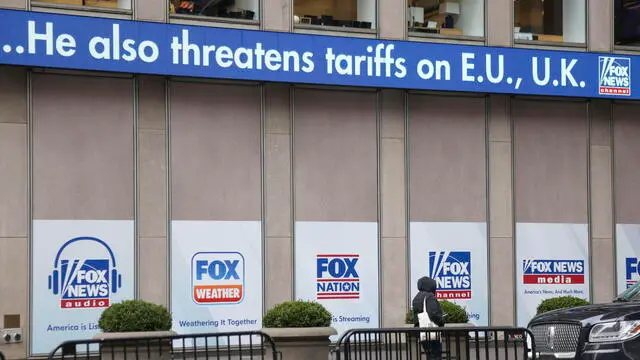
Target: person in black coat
427	290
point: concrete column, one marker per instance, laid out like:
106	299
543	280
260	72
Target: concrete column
14	207
13	4
150	10
152	190
501	237
277	15
603	271
393	202
393	25
599	26
278	187
499	22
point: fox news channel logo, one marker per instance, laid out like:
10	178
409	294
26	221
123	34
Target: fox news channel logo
218	278
553	272
84	282
632	270
452	272
614	75
337	276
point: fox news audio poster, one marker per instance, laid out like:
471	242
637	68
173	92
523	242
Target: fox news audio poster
336	265
627	255
454	254
79	268
216	276
551	261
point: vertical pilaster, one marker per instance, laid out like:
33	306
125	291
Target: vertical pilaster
13	4
152	190
276	15
150	10
599	26
603	278
393	19
278	188
393	203
501	236
499	22
14	212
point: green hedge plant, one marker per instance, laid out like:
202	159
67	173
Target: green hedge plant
456	314
561	302
297	314
135	316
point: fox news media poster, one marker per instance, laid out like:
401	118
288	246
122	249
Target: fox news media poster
79	268
336	265
551	261
454	254
628	255
216	276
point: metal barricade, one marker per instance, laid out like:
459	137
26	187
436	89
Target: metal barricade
251	345
449	343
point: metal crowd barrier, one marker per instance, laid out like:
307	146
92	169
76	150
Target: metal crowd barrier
449	343
220	346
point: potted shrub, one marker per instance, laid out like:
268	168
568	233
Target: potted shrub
300	329
135	329
561	302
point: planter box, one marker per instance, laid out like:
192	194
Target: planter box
136	345
302	343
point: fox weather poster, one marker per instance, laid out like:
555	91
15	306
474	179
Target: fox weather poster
216	276
551	260
454	254
336	265
79	268
628	255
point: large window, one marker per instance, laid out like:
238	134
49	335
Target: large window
550	20
230	9
446	17
335	13
109	4
627	22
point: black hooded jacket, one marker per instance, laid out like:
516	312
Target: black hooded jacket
426	289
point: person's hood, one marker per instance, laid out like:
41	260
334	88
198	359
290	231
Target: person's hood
426	284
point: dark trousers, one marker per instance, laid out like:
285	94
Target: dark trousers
433	349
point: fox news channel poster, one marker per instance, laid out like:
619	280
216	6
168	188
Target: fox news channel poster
628	255
455	255
551	261
336	265
216	276
79	268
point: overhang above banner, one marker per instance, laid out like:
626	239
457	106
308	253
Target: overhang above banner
89	43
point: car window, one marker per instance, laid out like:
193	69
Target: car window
631	294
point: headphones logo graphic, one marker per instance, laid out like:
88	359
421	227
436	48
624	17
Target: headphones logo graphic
67	272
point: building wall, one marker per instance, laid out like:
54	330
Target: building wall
204	150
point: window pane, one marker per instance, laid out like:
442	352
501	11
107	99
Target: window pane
111	4
550	20
446	17
627	22
231	9
339	13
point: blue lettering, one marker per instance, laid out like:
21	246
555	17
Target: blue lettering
217	269
337	267
631	265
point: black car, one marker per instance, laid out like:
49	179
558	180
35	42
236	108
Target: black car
598	332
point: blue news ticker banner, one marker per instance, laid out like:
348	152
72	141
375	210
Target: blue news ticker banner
88	43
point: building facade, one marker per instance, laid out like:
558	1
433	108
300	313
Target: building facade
220	190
